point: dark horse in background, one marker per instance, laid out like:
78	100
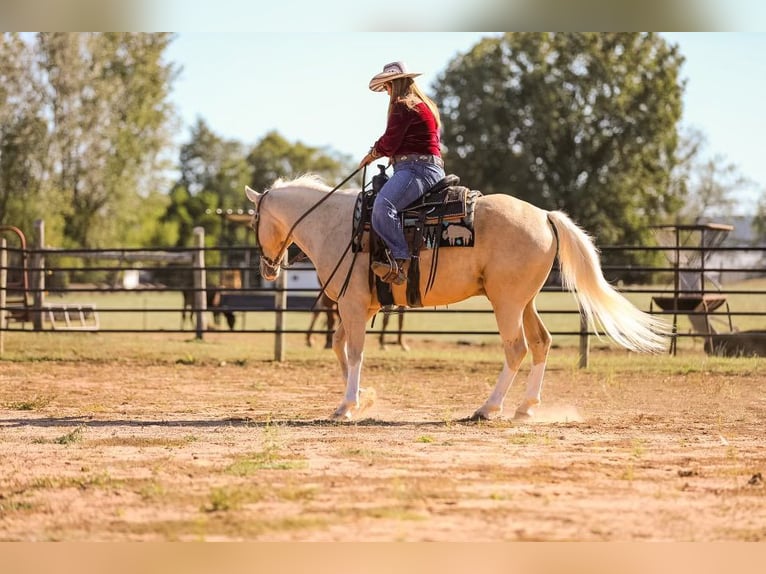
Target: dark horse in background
329	308
213	297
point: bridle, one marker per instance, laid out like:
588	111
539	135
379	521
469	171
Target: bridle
271	263
274	263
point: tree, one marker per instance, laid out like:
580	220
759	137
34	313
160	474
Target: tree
213	175
585	123
214	172
23	140
274	157
110	120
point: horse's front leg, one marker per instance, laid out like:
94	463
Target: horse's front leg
348	344
339	347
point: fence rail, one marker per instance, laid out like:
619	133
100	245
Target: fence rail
37	282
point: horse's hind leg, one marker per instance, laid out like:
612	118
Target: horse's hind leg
509	321
539	341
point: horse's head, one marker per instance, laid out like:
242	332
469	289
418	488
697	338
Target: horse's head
269	236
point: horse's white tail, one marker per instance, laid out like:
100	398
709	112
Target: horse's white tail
606	309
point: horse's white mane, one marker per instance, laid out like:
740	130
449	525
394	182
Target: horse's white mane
311	180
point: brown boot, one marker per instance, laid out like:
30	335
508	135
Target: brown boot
387	272
402	269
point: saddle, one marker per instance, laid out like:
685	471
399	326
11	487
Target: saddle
427	224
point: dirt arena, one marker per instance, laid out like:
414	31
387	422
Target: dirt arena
631	449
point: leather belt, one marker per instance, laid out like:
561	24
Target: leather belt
428	158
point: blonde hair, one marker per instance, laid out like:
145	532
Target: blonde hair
406	91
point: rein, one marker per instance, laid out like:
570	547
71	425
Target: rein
275	262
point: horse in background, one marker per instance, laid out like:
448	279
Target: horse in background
329	308
399	337
213	297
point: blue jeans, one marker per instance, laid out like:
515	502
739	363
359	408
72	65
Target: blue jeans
410	181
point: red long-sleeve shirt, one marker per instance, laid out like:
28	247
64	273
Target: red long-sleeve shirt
409	131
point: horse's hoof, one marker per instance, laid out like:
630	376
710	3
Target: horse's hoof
526	409
341	414
367	398
478	416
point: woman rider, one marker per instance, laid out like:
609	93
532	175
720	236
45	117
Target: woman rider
412	142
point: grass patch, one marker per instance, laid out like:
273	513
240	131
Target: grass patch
223	499
36	403
142	442
71	437
265	460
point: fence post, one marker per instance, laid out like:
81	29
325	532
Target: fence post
200	281
3	287
584	341
280	304
38	274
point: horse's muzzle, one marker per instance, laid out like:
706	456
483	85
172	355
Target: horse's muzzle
268	271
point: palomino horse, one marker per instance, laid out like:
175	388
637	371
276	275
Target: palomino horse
514	250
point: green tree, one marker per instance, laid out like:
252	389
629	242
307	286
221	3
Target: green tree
586	123
110	122
274	157
23	141
213	175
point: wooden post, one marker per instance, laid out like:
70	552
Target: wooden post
38	276
584	341
200	282
3	287
280	304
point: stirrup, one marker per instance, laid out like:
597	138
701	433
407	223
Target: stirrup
391	270
385	271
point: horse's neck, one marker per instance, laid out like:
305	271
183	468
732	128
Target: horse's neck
321	226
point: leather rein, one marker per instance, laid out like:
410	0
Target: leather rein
275	262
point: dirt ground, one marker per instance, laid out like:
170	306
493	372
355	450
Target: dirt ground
119	450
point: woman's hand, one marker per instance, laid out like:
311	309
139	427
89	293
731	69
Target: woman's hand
367	160
371	156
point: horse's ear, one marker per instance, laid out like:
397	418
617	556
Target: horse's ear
251	194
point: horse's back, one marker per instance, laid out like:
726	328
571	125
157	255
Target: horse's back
505	222
514	248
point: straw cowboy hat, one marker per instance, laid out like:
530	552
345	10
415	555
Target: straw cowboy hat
390	72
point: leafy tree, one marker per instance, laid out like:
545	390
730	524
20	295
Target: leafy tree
274	157
213	175
585	123
110	120
214	172
23	141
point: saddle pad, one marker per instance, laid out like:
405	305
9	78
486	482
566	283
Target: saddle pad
451	226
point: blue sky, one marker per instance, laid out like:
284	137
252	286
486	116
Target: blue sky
312	87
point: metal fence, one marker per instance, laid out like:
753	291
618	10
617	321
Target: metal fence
39	288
